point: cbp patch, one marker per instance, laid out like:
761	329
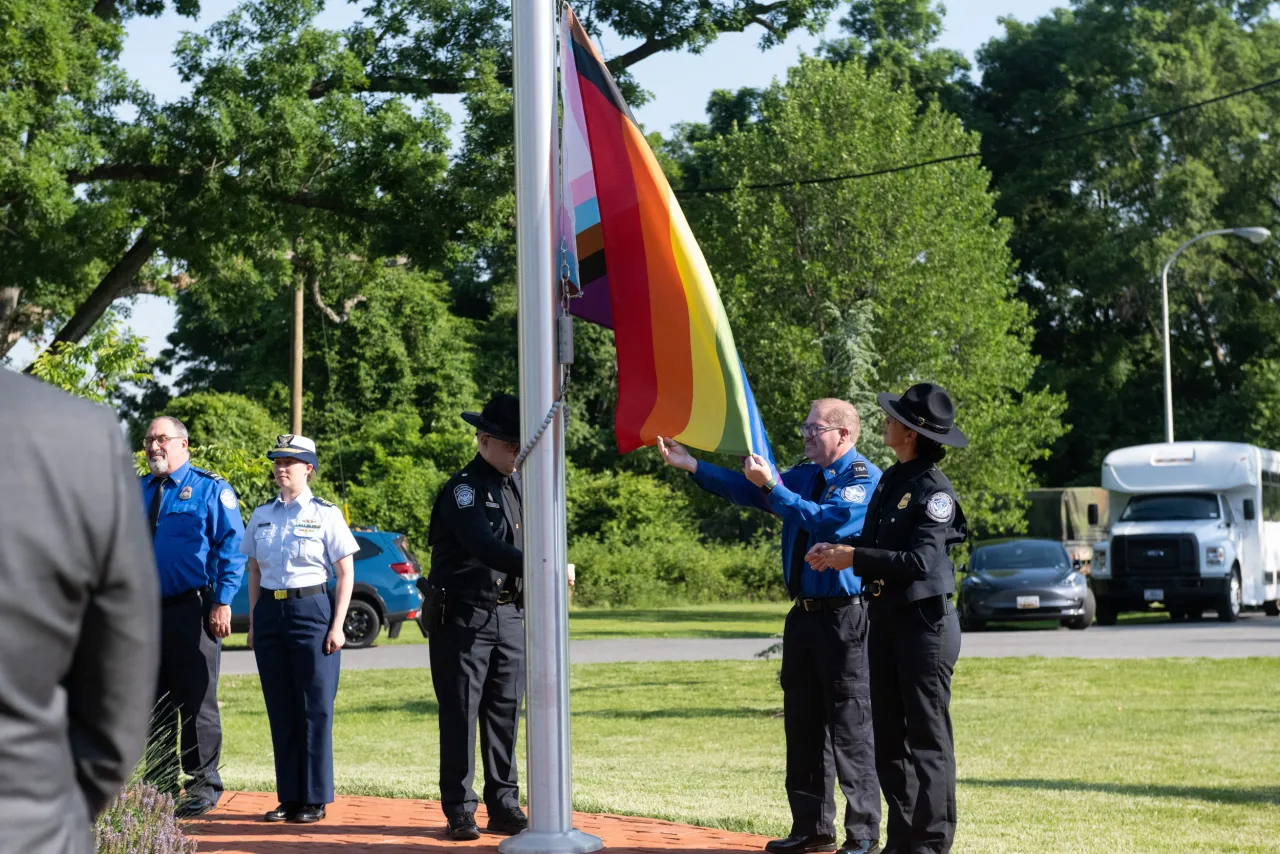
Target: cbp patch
939	507
854	494
464	495
228	499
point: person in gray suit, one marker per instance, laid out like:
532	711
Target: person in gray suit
79	617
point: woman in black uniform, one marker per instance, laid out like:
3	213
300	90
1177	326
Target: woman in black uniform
914	637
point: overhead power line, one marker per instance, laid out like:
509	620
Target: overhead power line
1036	143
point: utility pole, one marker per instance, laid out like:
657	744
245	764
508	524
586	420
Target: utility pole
295	407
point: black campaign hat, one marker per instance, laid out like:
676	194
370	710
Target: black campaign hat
927	409
500	418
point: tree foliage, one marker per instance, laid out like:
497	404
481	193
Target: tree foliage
849	288
1096	216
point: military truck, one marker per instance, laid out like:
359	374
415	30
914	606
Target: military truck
1069	515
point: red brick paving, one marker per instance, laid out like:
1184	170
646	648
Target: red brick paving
394	826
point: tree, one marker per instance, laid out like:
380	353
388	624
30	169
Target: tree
1096	215
292	136
850	287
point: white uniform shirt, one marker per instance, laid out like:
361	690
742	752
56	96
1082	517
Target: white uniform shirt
296	543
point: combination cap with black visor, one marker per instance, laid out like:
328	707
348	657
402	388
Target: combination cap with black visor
293	446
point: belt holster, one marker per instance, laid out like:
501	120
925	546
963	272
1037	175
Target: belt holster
433	607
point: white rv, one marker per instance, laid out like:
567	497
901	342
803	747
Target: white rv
1193	525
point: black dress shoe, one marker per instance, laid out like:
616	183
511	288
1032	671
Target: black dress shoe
462	827
860	846
284	812
802	844
507	820
309	813
193	808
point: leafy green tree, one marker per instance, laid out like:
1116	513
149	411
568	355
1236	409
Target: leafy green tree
95	368
227	420
1096	215
849	287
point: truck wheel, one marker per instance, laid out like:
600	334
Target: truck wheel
1107	613
1229	604
362	624
1272	608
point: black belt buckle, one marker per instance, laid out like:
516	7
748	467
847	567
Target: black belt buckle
876	586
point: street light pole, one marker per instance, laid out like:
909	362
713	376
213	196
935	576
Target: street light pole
1253	234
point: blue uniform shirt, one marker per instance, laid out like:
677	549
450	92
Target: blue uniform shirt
837	513
197	542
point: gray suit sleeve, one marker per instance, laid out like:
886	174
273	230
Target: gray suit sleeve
112	681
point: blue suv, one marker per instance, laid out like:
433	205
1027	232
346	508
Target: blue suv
385	591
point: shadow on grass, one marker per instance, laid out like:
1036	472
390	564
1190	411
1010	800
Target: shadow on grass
659	714
1211	794
417	706
663	615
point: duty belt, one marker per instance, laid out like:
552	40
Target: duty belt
828	603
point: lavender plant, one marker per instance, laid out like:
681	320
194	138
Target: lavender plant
141	820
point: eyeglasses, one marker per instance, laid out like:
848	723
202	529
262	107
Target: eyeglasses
809	431
158	441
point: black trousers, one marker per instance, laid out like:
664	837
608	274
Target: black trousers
912	650
477	669
827	717
299	686
187	699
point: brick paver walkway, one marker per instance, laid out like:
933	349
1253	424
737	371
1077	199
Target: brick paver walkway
392	826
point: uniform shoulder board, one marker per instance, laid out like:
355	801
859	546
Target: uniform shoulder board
265	503
211	475
317	499
859	469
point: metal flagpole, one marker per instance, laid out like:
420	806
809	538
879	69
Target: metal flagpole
548	775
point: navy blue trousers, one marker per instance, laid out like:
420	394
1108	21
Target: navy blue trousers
299	684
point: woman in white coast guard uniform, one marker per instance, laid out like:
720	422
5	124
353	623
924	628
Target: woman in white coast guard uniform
295	626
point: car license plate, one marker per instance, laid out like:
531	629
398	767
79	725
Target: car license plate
1028	601
1153	594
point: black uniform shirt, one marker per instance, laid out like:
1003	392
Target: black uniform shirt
475	534
912	522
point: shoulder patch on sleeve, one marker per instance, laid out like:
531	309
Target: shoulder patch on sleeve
859	469
464	495
856	494
940	507
228	499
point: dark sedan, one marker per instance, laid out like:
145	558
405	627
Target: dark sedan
1023	580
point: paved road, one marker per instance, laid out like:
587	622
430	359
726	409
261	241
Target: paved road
1254	635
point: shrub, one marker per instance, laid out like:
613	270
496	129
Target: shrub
140	821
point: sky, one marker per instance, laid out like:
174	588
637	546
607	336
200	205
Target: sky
680	84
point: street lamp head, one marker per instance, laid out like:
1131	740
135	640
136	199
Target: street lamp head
1253	234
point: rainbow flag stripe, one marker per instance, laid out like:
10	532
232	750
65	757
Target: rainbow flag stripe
640	271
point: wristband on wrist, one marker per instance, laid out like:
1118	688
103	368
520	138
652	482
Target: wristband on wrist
768	487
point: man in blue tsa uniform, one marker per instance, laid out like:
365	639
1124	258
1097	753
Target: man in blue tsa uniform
477	638
826	706
196	529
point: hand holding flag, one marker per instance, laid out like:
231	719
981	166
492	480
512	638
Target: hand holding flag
757	469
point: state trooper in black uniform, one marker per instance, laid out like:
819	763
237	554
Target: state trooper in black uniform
477	626
902	556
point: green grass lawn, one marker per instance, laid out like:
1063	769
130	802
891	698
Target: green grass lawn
720	620
1059	755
